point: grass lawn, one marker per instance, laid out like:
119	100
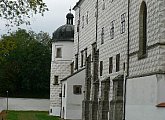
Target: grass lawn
28	115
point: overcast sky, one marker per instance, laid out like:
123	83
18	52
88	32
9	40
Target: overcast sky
55	17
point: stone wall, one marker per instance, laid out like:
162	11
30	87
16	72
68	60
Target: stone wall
25	104
2	104
62	69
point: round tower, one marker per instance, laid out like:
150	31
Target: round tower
62	53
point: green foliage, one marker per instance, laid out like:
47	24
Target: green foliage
24	65
18	11
29	115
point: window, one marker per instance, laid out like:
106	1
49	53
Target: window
122	23
102	36
82	58
76	62
55	80
85	52
94	48
50	111
103	6
82	21
64	90
87	17
117	62
142	30
72	67
78	25
118	88
112	30
101	68
110	64
77	89
58	53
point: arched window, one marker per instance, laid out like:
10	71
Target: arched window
142	30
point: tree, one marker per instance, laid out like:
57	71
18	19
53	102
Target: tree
24	68
17	12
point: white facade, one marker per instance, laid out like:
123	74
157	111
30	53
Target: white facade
143	96
72	102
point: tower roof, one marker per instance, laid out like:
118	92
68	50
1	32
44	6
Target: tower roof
65	32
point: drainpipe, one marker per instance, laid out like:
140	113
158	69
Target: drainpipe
127	75
61	101
96	20
78	32
78	41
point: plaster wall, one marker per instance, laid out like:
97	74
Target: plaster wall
72	103
142	98
67	50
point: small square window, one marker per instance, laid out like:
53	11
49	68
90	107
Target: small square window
77	89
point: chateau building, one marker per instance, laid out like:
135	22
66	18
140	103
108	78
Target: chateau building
121	46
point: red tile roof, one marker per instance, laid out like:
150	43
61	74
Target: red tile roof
161	105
